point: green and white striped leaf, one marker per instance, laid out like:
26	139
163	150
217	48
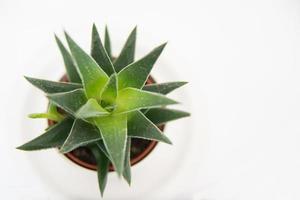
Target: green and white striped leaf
99	53
162	115
141	127
71	102
102	167
127	54
163	88
136	74
50	87
92	76
91	109
72	73
52	138
113	129
107	43
82	134
127	164
131	99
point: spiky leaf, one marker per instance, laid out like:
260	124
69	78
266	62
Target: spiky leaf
107	43
110	91
92	76
127	164
127	54
136	74
69	101
102	167
50	87
113	130
99	53
82	133
72	73
130	99
162	115
163	88
141	127
53	137
91	109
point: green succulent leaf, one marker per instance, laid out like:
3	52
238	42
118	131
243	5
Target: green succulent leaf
72	73
52	138
82	134
113	129
131	99
107	43
91	74
136	74
127	164
50	116
162	115
141	127
102	167
99	53
91	109
52	109
163	88
127	54
110	91
50	87
101	145
71	102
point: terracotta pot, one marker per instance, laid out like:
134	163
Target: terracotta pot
140	148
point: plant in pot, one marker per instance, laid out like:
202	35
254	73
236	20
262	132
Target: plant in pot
106	113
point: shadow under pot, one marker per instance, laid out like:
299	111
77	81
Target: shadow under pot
139	150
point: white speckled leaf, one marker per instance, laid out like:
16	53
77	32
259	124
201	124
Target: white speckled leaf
92	76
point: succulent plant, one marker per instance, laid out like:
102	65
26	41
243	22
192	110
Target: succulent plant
104	104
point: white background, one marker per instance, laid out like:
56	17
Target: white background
241	59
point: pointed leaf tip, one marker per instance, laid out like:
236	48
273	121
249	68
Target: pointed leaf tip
50	87
163	115
53	137
163	88
127	53
99	53
72	73
107	43
135	74
92	76
102	167
113	130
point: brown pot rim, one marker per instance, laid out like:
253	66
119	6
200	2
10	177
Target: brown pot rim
133	161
